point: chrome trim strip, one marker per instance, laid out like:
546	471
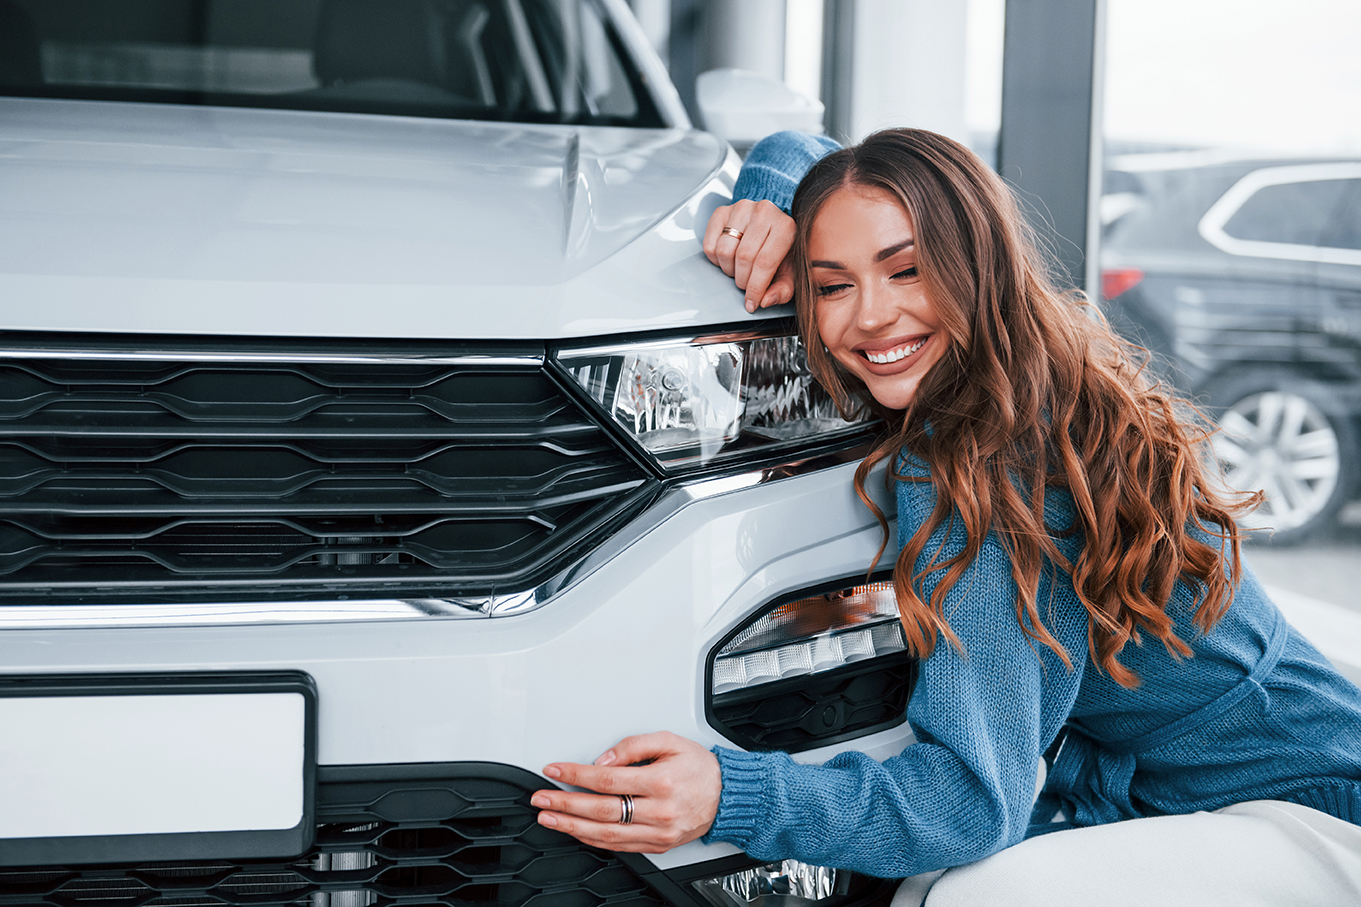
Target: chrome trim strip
533	361
564	352
513	604
47	617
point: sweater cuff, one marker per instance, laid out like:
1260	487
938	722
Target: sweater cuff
777	163
739	806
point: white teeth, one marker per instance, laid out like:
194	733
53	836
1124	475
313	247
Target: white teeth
894	355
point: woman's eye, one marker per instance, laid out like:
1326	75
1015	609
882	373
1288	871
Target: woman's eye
832	288
905	273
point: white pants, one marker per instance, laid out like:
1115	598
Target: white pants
1263	852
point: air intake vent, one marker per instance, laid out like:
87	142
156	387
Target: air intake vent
183	475
451	835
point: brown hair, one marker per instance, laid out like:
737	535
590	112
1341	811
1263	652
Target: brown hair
1034	391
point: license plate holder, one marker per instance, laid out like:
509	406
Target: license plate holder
155	767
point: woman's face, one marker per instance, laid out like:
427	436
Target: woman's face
873	313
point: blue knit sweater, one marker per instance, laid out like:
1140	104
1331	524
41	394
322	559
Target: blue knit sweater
1256	713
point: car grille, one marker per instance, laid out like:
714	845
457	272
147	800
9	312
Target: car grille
308	472
453	834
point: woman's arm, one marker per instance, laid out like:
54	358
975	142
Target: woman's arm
982	719
965	790
760	232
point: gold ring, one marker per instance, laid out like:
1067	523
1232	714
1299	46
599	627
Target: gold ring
733	232
625	809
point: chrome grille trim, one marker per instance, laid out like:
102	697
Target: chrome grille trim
189	355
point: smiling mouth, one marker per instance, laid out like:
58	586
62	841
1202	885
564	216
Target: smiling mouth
896	354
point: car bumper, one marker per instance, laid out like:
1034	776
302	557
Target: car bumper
621	651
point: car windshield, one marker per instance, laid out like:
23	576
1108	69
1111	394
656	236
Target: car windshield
554	61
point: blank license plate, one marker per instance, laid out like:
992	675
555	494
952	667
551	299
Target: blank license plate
175	772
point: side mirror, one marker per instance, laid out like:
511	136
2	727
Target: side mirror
744	107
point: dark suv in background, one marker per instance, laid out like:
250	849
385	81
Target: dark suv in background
1243	279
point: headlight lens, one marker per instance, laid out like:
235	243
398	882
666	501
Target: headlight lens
811	635
692	402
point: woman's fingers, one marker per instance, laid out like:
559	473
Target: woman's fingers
632	838
605	779
781	286
674	794
771	232
607	808
721	247
722	217
753	249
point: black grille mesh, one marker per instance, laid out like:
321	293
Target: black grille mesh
818	709
451	835
397	475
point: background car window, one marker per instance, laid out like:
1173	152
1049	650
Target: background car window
1296	213
529	60
1345	230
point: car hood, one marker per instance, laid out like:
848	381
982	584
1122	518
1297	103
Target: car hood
195	220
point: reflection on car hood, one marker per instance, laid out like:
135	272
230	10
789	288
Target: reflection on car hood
128	217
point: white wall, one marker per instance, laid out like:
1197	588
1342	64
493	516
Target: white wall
908	68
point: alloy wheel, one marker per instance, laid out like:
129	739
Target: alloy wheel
1282	444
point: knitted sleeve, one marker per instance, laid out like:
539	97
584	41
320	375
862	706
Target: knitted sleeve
982	718
775	165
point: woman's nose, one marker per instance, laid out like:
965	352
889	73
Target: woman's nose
876	308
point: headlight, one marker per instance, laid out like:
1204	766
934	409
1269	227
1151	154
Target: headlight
696	401
813	670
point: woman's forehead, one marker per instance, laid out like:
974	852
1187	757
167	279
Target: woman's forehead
856	215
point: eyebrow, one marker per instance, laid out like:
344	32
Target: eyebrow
879	256
893	250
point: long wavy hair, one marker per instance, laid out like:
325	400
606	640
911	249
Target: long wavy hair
1033	392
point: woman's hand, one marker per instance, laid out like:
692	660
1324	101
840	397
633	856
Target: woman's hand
675	795
758	259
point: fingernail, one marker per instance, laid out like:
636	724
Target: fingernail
549	820
539	800
552	771
606	758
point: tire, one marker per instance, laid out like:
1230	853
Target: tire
1286	436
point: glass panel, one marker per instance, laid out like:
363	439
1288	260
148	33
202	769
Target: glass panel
1295	212
983	75
1231	249
528	60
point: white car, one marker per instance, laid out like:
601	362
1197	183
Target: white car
373	431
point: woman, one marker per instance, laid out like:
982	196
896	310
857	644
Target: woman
1068	574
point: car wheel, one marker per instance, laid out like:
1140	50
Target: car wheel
1281	435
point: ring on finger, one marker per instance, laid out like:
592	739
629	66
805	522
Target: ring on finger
731	231
625	809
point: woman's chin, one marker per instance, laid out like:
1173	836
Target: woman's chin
895	395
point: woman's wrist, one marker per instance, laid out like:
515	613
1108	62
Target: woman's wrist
777	163
740	804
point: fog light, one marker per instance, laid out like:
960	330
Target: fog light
810	636
813	669
788	884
